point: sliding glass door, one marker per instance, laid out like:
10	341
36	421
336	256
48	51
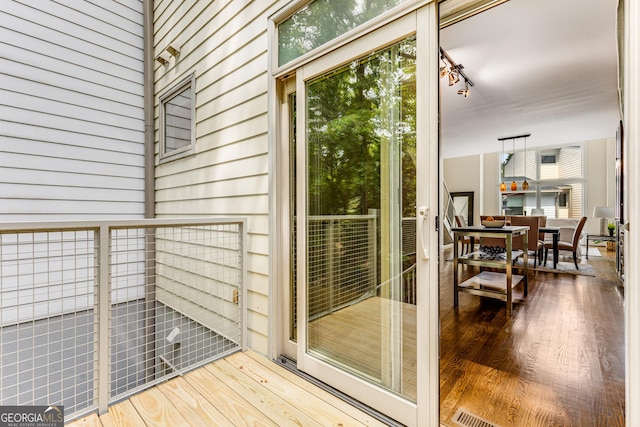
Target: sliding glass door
364	181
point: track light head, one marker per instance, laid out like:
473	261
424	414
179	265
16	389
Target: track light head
453	77
465	91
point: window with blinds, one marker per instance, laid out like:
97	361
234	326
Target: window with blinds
177	112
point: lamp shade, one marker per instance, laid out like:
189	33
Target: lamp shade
537	212
603	212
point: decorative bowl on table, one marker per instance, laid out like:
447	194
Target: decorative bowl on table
493	224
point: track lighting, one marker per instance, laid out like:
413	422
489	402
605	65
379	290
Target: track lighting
454	71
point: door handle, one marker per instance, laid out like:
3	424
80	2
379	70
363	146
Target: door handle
423	217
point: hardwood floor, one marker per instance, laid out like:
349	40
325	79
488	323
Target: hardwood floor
558	361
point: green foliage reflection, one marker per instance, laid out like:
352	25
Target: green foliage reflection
353	113
322	21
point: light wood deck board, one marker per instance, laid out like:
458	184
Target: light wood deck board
228	402
122	414
156	410
338	405
278	409
192	405
321	412
91	420
242	389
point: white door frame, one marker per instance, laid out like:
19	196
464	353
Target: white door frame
428	196
378	398
631	102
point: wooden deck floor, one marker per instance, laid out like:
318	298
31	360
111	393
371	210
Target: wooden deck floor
244	389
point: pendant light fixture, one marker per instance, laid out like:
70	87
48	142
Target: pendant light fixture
525	184
512	160
514	185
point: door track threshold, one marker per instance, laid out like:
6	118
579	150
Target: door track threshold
290	365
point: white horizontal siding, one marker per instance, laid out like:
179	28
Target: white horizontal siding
71	108
570	162
211	189
225	44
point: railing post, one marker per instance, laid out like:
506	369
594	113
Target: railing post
330	263
373	249
242	229
150	303
103	316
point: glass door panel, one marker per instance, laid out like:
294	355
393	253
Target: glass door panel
360	218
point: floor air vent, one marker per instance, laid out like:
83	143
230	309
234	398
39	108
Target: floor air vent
467	419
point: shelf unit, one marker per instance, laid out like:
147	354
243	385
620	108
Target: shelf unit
491	284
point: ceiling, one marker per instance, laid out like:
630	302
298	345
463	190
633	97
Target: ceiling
544	67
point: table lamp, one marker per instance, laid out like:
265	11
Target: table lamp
604	213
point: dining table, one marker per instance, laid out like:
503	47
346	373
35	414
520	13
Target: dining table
555	233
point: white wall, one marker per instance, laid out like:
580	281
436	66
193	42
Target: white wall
225	44
601	179
71	110
477	173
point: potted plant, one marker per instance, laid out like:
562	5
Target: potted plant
611	227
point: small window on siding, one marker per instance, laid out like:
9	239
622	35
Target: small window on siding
177	113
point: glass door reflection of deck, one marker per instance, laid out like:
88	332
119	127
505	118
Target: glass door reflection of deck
361	328
491	284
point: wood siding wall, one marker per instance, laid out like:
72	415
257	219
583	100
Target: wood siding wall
224	42
71	110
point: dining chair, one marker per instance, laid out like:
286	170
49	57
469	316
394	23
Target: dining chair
464	240
534	244
572	245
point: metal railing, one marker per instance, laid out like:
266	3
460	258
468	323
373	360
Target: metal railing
342	265
91	312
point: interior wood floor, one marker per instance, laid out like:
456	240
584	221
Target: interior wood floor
244	389
558	361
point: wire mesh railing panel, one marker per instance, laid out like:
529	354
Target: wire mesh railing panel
185	308
342	266
47	321
173	302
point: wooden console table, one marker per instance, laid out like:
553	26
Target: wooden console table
492	285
